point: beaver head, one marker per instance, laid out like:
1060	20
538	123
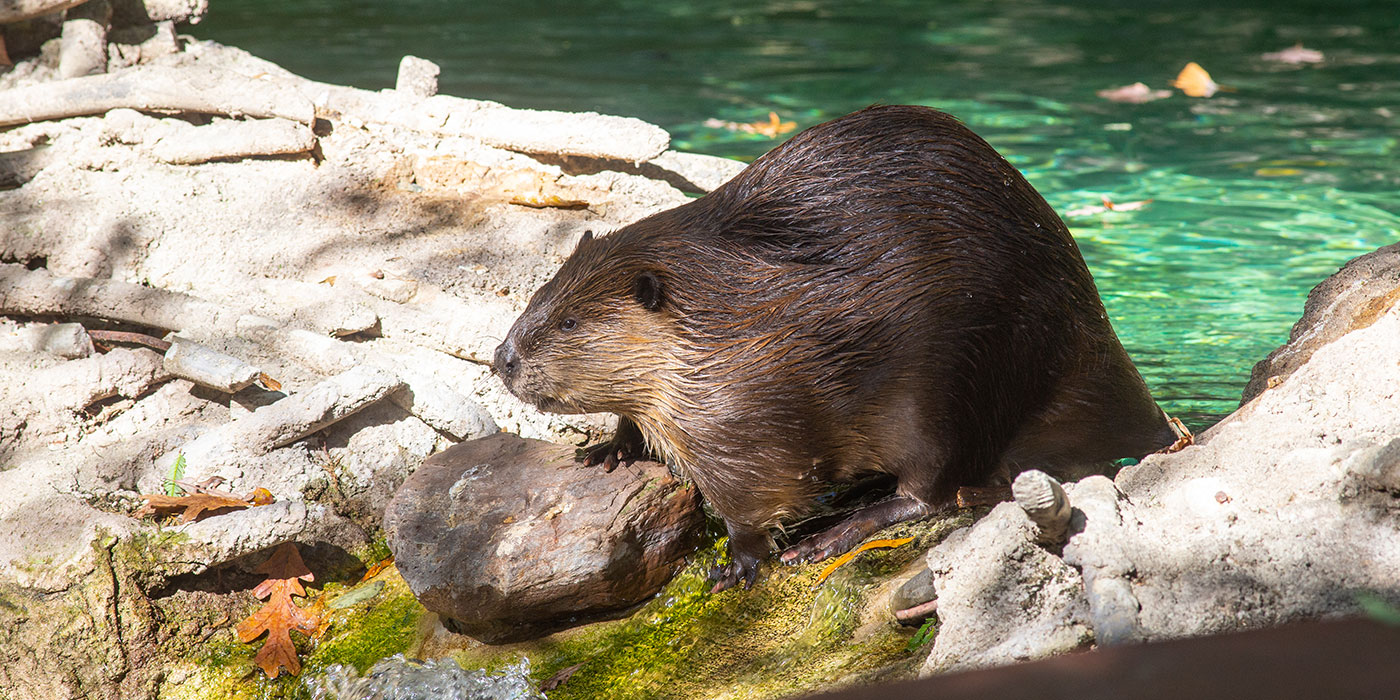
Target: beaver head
595	338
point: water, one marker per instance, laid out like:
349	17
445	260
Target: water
397	678
1257	193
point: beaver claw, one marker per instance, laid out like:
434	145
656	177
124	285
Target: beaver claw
604	454
625	447
726	576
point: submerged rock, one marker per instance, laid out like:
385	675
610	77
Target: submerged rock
511	538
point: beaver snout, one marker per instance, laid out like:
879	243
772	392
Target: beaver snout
507	361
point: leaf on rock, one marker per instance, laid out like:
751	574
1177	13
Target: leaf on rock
1184	438
377	568
269	383
191	507
1195	81
848	556
280	615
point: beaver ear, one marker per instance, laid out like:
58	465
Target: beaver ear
648	291
586	237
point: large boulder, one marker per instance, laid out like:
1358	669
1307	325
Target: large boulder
1352	298
510	538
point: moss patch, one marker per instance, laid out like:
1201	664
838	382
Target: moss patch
784	637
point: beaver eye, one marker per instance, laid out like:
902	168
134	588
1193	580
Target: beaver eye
568	324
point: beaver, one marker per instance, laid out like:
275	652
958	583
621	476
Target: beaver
884	292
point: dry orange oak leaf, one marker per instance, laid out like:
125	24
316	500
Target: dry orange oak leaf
196	505
280	615
1195	81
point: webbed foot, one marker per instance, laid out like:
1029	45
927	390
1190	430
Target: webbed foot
855	529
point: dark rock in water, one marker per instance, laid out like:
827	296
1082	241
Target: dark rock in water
1353	298
511	539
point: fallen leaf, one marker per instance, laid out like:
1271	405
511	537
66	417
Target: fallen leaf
771	127
1108	205
1295	55
1195	81
542	201
355	596
558	679
375	569
280	615
848	556
1137	93
269	383
191	507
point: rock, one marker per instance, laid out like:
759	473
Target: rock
208	367
511	539
67	340
1352	298
417	77
1001	598
84	49
1045	503
139	12
1283	511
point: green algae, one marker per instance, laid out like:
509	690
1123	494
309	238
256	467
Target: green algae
365	633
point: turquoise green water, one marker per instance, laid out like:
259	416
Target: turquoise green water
1257	193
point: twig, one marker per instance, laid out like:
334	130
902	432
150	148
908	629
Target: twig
129	337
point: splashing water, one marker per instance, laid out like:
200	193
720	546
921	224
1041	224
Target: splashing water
397	678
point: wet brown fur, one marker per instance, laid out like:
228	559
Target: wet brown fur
884	292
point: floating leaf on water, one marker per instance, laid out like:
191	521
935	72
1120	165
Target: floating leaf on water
770	127
1195	81
1137	93
1294	55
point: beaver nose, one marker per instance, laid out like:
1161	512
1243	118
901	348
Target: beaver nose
507	360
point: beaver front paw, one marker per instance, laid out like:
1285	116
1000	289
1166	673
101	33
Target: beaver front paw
625	447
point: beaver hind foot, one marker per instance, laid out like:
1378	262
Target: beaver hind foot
860	525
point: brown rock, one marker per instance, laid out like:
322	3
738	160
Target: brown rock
511	538
1358	294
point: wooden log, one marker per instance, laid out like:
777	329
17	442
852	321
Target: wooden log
188	145
157	89
26	292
